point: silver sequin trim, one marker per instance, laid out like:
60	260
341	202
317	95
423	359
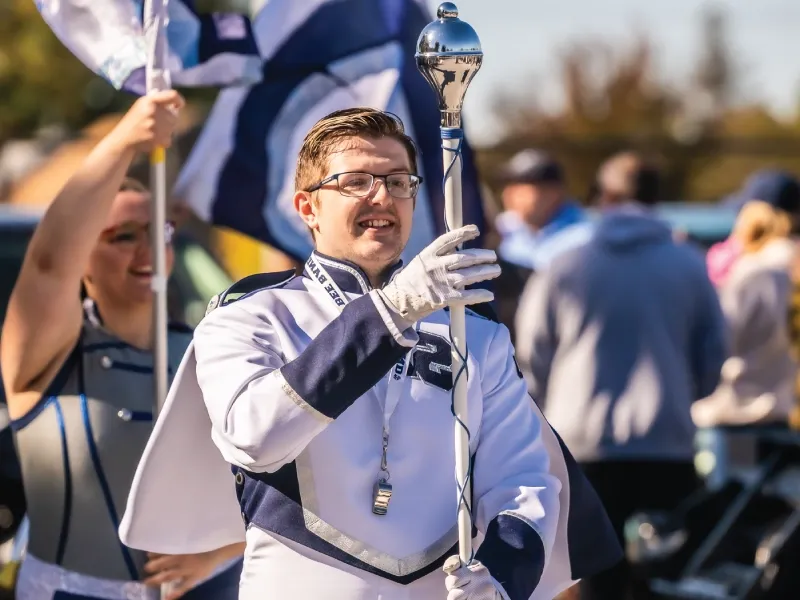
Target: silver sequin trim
355	548
533	526
295	397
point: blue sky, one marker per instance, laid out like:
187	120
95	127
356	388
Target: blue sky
521	38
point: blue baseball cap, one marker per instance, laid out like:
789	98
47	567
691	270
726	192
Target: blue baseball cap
777	188
533	167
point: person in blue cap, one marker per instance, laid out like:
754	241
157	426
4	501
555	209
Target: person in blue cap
539	222
540	218
776	187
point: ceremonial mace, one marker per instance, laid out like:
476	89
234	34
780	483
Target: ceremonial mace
448	56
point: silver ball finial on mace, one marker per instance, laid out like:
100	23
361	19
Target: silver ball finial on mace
448	56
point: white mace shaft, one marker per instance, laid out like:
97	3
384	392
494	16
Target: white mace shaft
452	201
155	26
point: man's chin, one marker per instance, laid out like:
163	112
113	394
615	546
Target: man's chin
373	252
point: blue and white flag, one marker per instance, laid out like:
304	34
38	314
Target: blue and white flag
108	37
319	56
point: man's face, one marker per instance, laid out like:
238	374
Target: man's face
369	230
121	264
536	204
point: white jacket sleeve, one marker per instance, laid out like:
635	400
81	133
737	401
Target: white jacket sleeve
264	409
516	497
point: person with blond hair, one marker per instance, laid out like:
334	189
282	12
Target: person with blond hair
759	378
77	366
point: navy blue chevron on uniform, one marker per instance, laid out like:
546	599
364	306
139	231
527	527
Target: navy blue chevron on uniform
319	56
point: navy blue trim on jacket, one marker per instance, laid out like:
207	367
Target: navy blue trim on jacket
345	360
513	552
271	502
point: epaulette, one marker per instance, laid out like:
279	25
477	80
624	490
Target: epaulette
248	285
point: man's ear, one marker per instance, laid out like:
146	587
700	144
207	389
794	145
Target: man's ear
305	207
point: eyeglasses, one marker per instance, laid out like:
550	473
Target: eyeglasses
399	185
131	234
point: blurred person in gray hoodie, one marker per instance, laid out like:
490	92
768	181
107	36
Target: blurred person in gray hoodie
617	339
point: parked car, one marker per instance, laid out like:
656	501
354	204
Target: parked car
703	223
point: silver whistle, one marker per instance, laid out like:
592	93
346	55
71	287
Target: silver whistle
381	496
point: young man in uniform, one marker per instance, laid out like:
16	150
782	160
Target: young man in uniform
330	394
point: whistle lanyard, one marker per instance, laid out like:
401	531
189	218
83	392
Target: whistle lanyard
396	384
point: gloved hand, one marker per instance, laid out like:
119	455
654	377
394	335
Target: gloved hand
438	275
472	582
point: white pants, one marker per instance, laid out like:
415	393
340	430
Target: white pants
275	567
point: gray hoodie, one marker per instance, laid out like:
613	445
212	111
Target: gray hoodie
618	338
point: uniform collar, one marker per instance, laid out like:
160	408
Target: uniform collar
347	275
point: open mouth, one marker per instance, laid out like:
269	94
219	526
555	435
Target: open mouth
376	224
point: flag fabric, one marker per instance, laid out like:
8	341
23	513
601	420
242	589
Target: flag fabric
318	56
108	37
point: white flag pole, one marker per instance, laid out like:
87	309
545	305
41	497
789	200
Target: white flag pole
157	78
155	27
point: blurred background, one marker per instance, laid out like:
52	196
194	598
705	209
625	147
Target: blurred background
707	90
711	89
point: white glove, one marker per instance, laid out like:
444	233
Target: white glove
472	582
438	275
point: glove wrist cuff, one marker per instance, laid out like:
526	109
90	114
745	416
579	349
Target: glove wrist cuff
401	320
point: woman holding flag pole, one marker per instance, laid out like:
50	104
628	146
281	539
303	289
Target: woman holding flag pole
77	363
85	382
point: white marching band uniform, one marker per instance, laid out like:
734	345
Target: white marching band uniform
273	433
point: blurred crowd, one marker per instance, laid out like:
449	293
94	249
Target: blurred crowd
637	342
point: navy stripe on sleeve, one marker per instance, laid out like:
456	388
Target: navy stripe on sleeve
513	553
345	360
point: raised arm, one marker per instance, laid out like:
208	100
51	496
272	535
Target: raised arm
44	314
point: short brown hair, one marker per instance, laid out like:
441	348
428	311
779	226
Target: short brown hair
630	176
312	161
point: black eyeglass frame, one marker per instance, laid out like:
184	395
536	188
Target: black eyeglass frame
335	177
